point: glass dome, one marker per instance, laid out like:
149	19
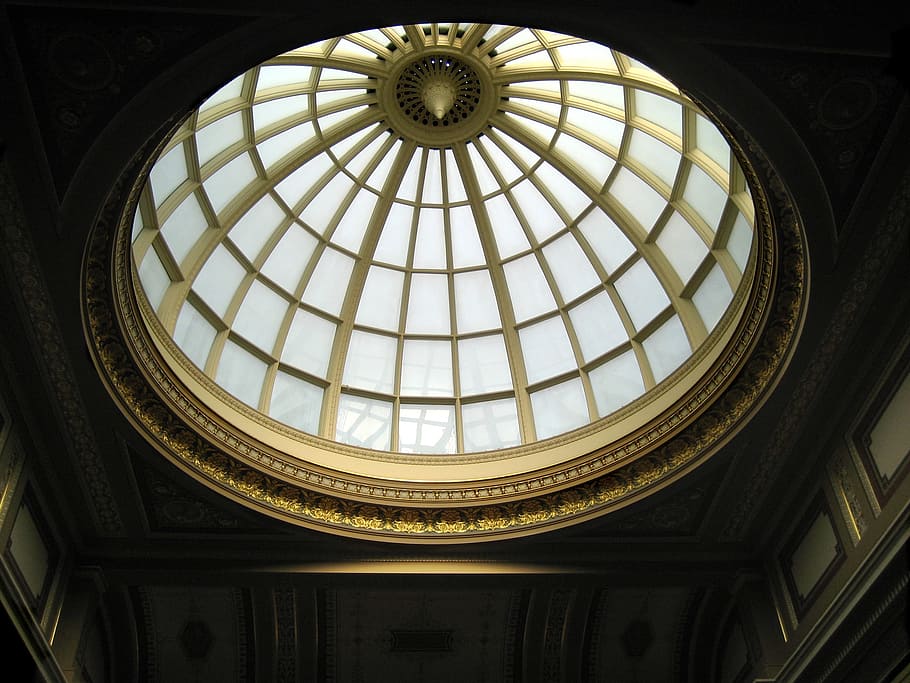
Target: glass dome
444	238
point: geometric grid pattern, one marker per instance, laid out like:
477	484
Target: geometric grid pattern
354	283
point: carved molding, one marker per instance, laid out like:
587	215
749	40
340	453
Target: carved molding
172	508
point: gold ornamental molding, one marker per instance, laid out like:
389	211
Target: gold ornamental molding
208	447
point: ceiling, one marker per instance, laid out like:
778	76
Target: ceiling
198	586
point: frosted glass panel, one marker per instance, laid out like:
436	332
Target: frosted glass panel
602	128
593	161
642	293
370	362
709	140
426	368
705	196
587	56
289	259
309	343
540	215
546	349
270	112
510	236
597	326
535	60
667	348
344	147
364	422
218	136
641	200
273	76
712	297
168	173
475	302
559	408
430	247
327	285
194	335
567	195
260	316
426	429
467	249
330	124
346	48
502	163
740	242
611	94
184	227
522	37
432	179
455	183
490	425
654	155
353	224
321	210
616	383
485	178
380	174
227	93
218	280
540	133
396	235
428	305
483	365
299	183
682	246
285	144
520	150
229	181
546	86
240	373
665	113
254	227
324	101
138	225
531	294
380	303
296	403
154	278
407	190
606	239
571	269
365	157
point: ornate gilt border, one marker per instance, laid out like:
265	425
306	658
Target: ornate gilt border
208	448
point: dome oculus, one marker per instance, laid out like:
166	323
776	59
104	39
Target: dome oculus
445	239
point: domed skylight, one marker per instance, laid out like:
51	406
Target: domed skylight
327	248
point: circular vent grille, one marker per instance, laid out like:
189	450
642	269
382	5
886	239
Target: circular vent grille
435	68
